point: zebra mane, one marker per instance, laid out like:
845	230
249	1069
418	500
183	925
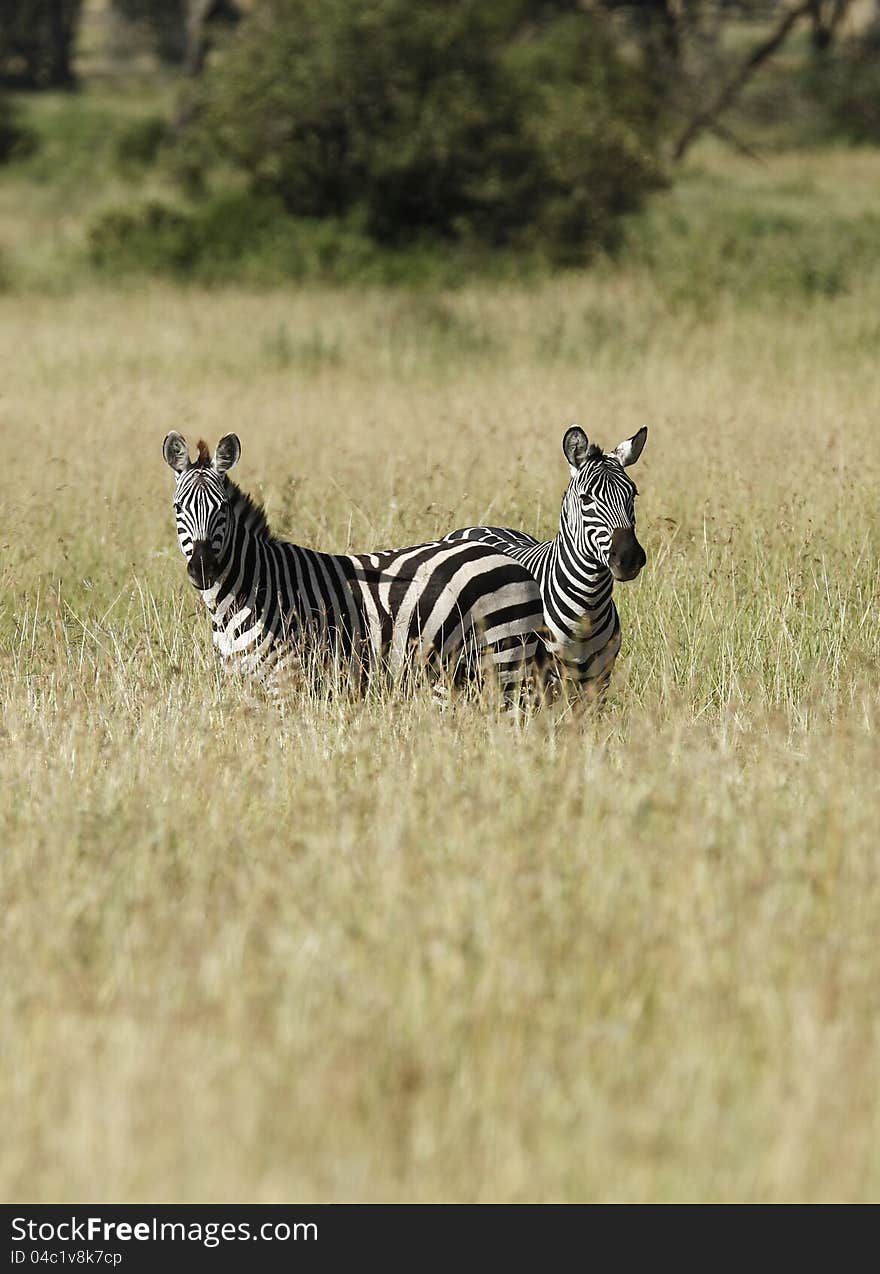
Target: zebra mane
203	459
249	510
594	452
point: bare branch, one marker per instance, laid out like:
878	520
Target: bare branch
703	119
721	130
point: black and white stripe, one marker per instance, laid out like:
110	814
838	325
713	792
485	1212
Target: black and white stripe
575	571
446	606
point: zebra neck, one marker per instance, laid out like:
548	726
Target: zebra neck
243	601
586	585
585	588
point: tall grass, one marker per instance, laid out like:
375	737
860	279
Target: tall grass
345	948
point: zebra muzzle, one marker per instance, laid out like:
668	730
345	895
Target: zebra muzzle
202	566
627	557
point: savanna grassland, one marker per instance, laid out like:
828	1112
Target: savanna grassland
366	949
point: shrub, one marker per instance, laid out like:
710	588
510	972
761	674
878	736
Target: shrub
241	237
230	236
153	237
449	119
138	144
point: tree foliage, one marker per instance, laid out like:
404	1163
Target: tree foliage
36	42
507	124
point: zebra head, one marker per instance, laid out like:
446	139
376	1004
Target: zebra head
598	509
201	502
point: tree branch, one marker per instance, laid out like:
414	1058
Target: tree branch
721	130
759	55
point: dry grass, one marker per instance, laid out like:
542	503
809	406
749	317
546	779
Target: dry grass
370	951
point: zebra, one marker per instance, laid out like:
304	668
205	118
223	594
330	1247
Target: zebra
273	604
596	544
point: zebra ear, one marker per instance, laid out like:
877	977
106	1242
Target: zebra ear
629	451
176	452
575	446
227	453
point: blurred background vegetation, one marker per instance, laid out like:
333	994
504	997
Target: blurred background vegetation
258	141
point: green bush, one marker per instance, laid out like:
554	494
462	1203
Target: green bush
212	240
241	237
232	236
153	237
138	144
449	120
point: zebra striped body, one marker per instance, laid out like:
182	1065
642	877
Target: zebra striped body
575	571
272	603
579	612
